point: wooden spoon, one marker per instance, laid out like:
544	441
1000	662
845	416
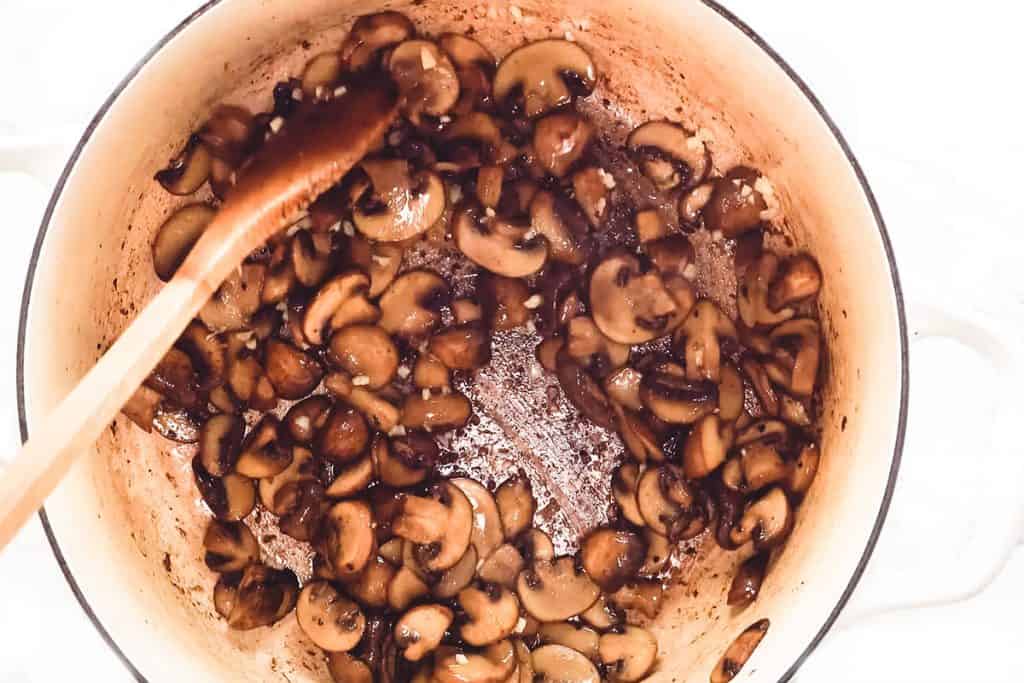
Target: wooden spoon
317	146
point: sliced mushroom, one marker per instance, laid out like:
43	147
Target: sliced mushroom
264	596
489	181
494	665
500	245
611	557
535	546
767	521
763	389
370	587
730	393
463	347
230	498
293	372
365	351
307	417
574	636
382	415
219	443
230	546
555	590
347	541
583	391
352	479
262	454
623	387
559	140
669	155
503	300
560	664
739	652
547	353
804	470
304	504
736	204
207	352
478	136
800	279
332	621
590	188
659	551
747	583
668	504
502	566
629	305
673	398
188	171
516	505
640	440
762	466
458	577
467	311
341	301
406	588
794	410
769	431
492	612
449	549
431	373
420	630
310	261
437	412
645	596
299	469
142	407
588	346
321	72
371	34
392	549
706	446
176	425
411	305
625	481
692	203
752	301
238	297
475	66
421	520
524	663
402	204
700	339
344	668
630	655
544	75
603	615
487	524
426	79
671	255
405	461
225	592
176	236
804	334
345	436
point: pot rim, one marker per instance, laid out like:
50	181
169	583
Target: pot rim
725	14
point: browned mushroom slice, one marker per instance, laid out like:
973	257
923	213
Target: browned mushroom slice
406	588
640	440
370	34
769	431
535	546
630	306
503	301
142	407
421	520
446	552
799	279
310	263
624	489
475	66
345	436
458	577
669	155
410	307
487	525
736	204
611	557
225	592
516	505
623	387
588	346
233	304
293	372
405	461
692	203
767	521
467	311
431	373
299	469
188	171
752	301
500	245
230	546
304	504
671	255
590	188
583	391
175	378
630	655
803	335
659	552
547	353
492	612
480	134
382	415
437	412
307	417
263	597
365	351
731	663
320	73
706	446
333	622
603	615
381	260
494	665
747	583
543	75
502	566
804	470
674	399
230	498
794	410
420	630
262	455
730	393
176	236
426	79
559	140
341	301
646	597
761	384
700	339
176	425
228	133
668	504
402	204
555	590
347	540
762	466
351	479
574	636
344	668
463	347
560	664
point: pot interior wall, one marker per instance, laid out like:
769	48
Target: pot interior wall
128	519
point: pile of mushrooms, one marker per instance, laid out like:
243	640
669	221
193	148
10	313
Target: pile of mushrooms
316	379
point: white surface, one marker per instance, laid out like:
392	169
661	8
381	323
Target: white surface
926	93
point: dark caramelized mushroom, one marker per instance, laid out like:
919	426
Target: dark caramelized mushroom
230	546
706	446
463	347
739	652
264	596
188	171
804	470
559	140
344	437
800	279
500	245
735	205
402	203
503	301
365	351
767	521
410	307
747	582
262	455
611	557
562	223
230	498
340	302
674	399
436	412
426	80
177	235
303	504
625	481
669	155
294	373
333	622
306	418
804	335
583	391
752	301
370	35
700	339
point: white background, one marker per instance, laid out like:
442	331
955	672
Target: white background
927	93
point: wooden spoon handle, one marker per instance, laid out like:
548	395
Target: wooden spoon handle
315	149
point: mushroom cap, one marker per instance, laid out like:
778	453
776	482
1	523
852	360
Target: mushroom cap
410	307
365	350
347	540
560	664
332	621
669	154
629	305
537	73
402	205
555	590
497	244
611	557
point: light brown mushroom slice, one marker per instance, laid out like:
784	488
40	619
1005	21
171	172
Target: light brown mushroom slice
559	140
493	665
264	596
426	79
458	577
746	584
794	410
489	181
445	553
612	556
762	385
692	203
437	412
624	489
463	347
466	311
382	415
660	511
262	454
730	393
370	34
561	664
420	630
535	546
669	155
770	431
799	279
299	468
230	498
804	470
345	436
385	262
516	505
767	521
365	351
736	203
646	597
583	391
410	307
700	339
503	301
224	593
321	72
639	438
406	588
392	549
175	377
370	586
574	636
310	262
492	612
188	171
502	566
430	373
176	236
587	345
762	466
402	203
738	652
603	615
482	131
341	301
671	255
352	479
674	399
659	552
207	353
421	520
176	425
536	75
220	441
487	532
344	668
590	188
333	622
348	541
629	655
395	467
230	546
706	446
752	299
497	244
293	372
307	417
629	305
524	663
233	304
805	334
555	590
547	353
